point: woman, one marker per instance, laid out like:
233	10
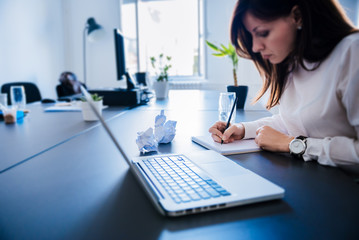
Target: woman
307	54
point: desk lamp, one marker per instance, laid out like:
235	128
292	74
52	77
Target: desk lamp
93	31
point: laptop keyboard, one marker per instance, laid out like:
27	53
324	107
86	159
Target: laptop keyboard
184	181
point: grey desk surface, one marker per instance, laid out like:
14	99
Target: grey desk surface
40	131
82	189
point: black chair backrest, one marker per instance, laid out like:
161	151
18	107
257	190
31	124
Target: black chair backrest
32	92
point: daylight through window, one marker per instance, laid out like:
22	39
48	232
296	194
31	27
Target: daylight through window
171	27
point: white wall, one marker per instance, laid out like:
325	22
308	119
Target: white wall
219	70
42	38
101	70
31	43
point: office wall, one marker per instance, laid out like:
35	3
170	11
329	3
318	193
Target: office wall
31	42
219	70
42	38
101	70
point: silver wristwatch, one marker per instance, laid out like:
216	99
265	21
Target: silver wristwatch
298	146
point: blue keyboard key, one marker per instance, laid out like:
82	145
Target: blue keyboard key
183	181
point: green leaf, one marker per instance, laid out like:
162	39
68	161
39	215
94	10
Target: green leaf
214	47
226	50
219	54
229	51
94	97
161	65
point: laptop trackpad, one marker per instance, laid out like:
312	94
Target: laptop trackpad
216	164
227	168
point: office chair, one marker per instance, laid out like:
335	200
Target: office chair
32	92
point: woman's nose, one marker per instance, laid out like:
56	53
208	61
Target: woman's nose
257	45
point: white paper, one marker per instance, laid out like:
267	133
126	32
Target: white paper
236	147
164	131
146	141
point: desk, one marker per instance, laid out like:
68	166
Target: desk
82	189
40	131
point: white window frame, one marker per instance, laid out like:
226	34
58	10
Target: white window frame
201	44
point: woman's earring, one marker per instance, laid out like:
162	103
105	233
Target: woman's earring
299	27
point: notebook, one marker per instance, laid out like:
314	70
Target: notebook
236	147
181	184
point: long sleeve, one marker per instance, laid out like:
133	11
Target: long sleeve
274	121
342	150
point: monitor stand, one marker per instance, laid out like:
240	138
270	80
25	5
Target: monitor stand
130	96
129	81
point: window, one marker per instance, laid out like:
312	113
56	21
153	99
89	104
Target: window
171	27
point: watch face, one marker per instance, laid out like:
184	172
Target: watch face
297	146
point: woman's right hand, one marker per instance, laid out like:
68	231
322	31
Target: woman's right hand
233	132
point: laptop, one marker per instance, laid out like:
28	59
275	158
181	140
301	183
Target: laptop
181	184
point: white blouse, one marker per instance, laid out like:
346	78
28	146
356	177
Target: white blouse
324	106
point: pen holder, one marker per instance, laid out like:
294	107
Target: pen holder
87	112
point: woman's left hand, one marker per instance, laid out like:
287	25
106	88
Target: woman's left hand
272	140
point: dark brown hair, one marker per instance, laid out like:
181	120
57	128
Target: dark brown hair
64	77
324	25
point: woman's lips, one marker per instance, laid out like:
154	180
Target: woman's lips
266	56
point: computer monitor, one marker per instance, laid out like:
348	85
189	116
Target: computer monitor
121	59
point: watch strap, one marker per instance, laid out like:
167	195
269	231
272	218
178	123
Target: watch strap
304	140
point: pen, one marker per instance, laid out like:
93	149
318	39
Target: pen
230	115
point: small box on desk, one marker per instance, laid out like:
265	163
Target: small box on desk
118	96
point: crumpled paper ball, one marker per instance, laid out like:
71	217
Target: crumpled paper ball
146	141
164	131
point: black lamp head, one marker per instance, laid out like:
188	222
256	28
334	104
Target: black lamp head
92	25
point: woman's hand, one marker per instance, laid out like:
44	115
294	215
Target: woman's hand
272	140
233	132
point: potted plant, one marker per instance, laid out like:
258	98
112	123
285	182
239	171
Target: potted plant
161	65
87	112
230	51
